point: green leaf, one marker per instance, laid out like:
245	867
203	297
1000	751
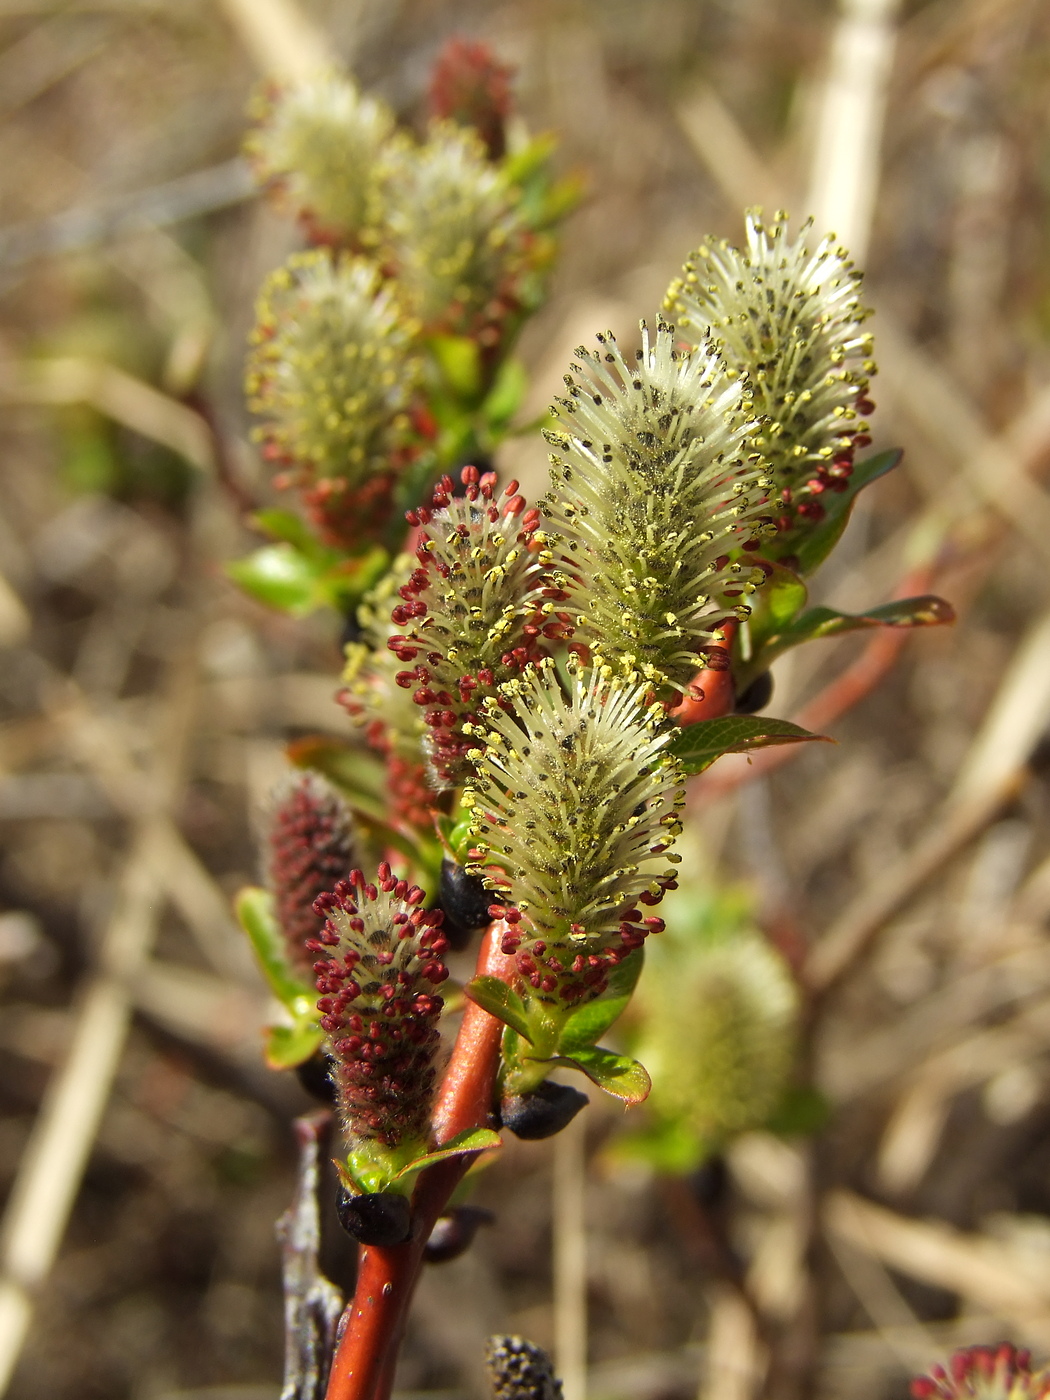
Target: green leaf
473	1140
810	545
504	398
697	746
289	1046
255	913
459	360
925	611
500	1001
588	1023
286	526
617	1074
280	576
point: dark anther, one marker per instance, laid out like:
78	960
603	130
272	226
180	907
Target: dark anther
380	1218
543	1112
314	1077
756	696
465	902
454	1233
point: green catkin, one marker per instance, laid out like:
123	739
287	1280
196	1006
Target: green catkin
320	143
789	317
575	809
659	494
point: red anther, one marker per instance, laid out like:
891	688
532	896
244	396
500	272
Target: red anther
488	481
514	506
355	878
654	925
510	943
511	488
512	916
861	440
548	983
470	476
721	561
405	678
424	697
485	677
371	893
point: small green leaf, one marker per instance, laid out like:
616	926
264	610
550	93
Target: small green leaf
617	1074
810	545
588	1023
473	1140
255	913
500	1001
286	526
280	576
697	746
925	611
289	1046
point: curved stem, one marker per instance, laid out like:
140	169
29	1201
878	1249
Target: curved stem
363	1368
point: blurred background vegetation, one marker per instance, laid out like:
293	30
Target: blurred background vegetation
144	705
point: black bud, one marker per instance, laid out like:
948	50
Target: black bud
314	1077
465	902
543	1112
756	696
454	1233
381	1217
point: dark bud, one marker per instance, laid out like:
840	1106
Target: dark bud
313	1075
380	1218
757	695
520	1370
465	902
543	1112
454	1233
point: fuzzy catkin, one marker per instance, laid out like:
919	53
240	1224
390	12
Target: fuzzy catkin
311	847
392	724
453	233
381	955
789	317
659	497
475	610
985	1373
575	808
718	1022
332	369
319	144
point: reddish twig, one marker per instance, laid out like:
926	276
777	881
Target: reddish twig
363	1367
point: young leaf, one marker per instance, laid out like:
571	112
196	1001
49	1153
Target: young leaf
255	912
500	1001
811	545
280	576
588	1023
618	1075
289	1046
473	1140
925	611
697	747
286	526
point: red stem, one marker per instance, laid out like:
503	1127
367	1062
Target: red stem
363	1368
